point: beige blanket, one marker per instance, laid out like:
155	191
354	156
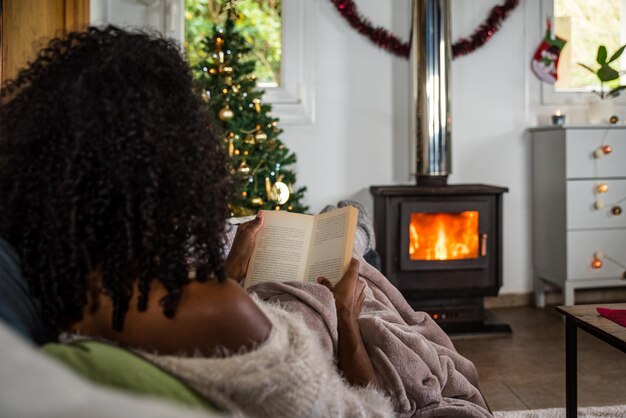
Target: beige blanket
416	361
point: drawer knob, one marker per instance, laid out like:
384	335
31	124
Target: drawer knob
599	204
607	149
602	188
616	210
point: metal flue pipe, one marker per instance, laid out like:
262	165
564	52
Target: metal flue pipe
430	72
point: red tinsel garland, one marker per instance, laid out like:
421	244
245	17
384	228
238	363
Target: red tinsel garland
386	40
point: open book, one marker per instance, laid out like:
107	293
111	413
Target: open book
296	247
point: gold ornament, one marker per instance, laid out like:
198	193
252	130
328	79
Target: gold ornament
212	71
219	42
279	192
228	80
221	57
290	208
231	147
257	201
282	191
277	208
257	107
243	168
225	114
240	211
235	89
236	152
260	136
250	140
227	69
244	194
268	188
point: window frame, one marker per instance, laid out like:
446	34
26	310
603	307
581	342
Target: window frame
293	101
549	95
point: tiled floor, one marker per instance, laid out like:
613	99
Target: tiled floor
527	370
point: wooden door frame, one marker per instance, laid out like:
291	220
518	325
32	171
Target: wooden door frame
1	48
76	15
70	16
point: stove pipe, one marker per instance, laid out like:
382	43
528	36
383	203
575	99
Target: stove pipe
430	65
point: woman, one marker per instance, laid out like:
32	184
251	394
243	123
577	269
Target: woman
111	181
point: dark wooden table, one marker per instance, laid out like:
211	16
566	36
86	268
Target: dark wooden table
586	317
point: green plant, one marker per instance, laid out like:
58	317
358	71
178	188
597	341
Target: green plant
606	73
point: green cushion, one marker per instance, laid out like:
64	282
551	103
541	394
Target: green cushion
116	367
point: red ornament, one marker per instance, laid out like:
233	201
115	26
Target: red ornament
386	40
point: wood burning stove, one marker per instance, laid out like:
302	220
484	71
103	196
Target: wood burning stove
440	244
442	248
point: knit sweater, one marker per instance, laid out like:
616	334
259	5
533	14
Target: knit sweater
288	375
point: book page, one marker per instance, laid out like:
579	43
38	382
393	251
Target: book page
281	248
331	244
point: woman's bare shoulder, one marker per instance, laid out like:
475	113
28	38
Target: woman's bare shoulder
209	316
228	313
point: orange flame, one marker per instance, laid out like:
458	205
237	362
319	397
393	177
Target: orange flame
443	236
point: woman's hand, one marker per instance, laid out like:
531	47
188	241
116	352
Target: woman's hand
353	358
348	292
236	264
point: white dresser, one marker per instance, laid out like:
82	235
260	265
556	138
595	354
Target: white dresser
579	205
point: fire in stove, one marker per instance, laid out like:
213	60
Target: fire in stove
443	236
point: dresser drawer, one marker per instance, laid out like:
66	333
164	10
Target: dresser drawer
581	196
580	146
581	245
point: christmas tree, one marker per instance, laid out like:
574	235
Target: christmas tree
259	160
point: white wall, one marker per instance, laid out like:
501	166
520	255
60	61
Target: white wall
351	144
360	137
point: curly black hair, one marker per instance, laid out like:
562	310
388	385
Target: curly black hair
108	164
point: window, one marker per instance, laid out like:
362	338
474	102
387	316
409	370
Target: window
585	24
281	34
260	23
